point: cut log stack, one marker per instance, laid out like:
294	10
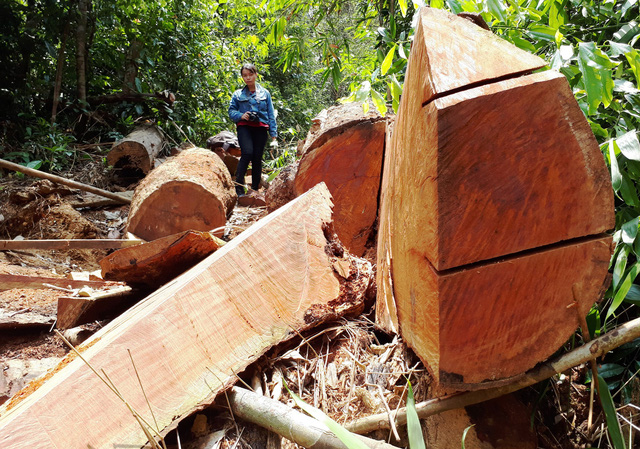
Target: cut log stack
344	150
191	191
495	203
188	339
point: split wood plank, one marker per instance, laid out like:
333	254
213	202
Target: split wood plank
189	338
76	310
67	244
12	320
10	281
155	263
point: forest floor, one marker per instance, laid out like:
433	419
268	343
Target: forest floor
349	369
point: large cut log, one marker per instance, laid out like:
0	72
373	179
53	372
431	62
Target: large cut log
155	263
76	310
190	338
345	151
494	222
191	191
137	150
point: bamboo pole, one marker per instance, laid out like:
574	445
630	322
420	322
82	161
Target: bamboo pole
60	180
596	348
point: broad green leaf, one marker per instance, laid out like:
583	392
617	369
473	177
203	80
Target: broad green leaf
618	49
629	145
543	32
349	439
386	64
417	4
609	408
414	429
616	177
633	295
557	14
627	32
34	164
596	72
497	9
626	6
455	6
633	57
437	4
630	231
362	94
593	322
607	370
621	265
379	102
403	7
623	290
628	191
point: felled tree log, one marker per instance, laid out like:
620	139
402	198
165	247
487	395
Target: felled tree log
280	190
192	191
76	310
190	338
155	263
344	150
493	224
137	150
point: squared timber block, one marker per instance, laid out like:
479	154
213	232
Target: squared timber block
496	320
451	53
191	338
499	169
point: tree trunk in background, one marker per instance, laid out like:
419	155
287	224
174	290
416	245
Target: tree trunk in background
131	66
59	71
495	204
81	50
192	191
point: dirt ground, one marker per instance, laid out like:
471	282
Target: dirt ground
349	369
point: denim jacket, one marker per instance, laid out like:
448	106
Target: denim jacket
242	101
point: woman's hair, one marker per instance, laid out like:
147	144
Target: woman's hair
250	67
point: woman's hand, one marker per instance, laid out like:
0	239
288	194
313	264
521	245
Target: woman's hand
245	116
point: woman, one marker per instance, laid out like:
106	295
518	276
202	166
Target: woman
252	111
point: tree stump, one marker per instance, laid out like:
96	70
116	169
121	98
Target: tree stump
492	227
344	150
137	151
191	191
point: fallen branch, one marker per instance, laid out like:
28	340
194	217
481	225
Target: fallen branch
287	422
68	244
10	281
60	180
598	347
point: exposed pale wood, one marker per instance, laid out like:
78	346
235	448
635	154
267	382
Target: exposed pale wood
296	427
68	244
189	338
455	53
192	190
596	348
60	180
155	263
76	310
9	281
137	150
346	154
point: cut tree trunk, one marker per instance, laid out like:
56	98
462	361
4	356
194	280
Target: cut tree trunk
280	190
192	191
344	150
155	263
504	195
76	310
138	150
190	338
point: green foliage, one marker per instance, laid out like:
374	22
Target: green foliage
610	414
414	429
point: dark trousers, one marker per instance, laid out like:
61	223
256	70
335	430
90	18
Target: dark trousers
252	142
